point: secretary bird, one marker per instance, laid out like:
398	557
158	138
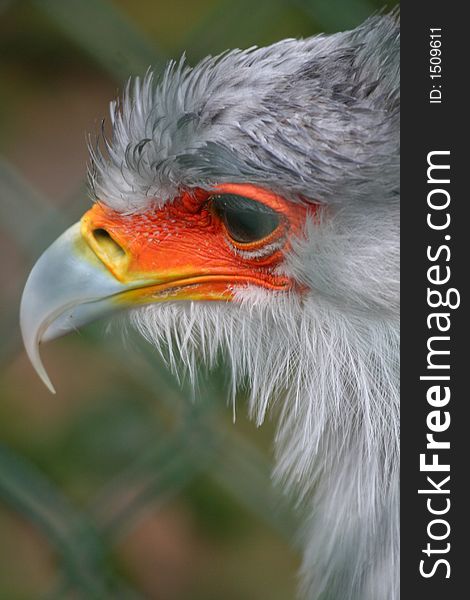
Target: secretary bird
249	207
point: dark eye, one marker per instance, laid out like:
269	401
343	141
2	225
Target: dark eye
245	220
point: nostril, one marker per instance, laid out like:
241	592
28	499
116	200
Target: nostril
107	246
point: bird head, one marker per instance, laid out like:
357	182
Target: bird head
248	204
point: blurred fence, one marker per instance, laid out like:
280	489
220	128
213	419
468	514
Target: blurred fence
144	456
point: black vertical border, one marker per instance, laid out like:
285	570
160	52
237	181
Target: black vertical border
427	127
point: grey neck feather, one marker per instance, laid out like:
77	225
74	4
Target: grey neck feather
334	384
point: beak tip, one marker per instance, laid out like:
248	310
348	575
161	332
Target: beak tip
31	342
35	358
42	373
51	389
47	382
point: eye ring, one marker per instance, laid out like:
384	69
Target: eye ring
247	222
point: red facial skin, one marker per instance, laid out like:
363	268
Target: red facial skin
184	248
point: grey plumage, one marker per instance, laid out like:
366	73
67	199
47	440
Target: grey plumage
315	117
318	120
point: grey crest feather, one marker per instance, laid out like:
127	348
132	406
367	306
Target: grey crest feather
314	118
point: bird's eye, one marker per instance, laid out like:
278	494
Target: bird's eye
246	220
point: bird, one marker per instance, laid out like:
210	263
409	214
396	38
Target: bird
248	207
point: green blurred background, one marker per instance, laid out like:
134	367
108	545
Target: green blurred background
120	486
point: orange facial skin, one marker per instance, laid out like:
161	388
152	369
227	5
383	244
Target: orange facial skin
182	250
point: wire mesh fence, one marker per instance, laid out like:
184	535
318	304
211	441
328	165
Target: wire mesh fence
124	439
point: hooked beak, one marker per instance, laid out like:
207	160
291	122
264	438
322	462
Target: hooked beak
68	287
